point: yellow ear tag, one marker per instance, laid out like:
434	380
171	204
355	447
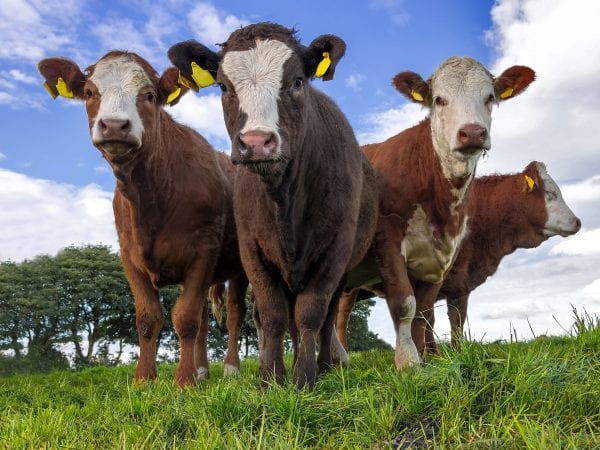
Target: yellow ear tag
201	76
187	83
507	93
418	97
323	65
62	88
49	89
530	182
173	95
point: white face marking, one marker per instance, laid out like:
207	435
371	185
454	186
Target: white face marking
465	85
119	81
427	257
256	75
406	354
561	219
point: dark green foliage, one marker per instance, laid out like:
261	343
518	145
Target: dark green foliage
359	336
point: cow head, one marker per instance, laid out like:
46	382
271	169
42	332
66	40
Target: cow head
263	72
541	207
460	95
123	96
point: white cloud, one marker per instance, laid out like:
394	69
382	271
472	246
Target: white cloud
592	291
204	113
101	169
555	120
122	34
42	216
394	10
211	25
2	156
584	191
583	243
22	77
382	125
355	80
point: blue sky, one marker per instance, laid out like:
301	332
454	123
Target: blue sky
55	189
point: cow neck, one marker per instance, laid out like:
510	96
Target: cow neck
145	179
442	199
495	222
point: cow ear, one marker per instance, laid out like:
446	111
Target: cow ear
412	86
197	64
62	77
322	55
513	81
530	177
169	87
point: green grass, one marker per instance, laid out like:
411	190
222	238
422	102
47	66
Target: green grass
539	394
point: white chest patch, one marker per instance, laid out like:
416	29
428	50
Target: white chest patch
256	75
119	81
428	258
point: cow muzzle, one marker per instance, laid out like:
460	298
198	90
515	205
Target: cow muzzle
115	136
472	139
256	146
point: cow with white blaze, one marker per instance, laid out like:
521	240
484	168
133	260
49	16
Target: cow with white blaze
426	173
305	196
172	203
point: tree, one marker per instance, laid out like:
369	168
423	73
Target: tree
359	336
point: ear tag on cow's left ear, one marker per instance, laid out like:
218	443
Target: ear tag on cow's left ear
507	93
530	183
174	95
63	89
418	97
323	65
201	76
183	81
50	91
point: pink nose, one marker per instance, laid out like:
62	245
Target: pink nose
258	144
472	135
114	129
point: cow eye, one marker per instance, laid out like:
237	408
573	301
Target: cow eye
439	101
490	99
298	83
88	94
222	87
149	97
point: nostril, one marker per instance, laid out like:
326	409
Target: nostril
126	126
578	223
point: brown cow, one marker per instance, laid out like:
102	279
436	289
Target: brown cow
506	212
305	196
426	172
172	202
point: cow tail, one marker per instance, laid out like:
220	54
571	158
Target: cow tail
216	294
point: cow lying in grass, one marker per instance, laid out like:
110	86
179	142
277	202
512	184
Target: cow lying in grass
172	203
506	212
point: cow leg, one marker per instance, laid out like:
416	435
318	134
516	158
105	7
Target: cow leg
309	313
346	303
201	346
457	314
339	355
149	318
325	358
426	296
187	317
398	290
236	312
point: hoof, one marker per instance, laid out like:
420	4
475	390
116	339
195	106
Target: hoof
202	373
406	358
230	370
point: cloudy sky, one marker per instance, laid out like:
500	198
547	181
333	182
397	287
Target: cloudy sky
56	190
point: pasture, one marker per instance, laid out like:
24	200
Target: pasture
543	393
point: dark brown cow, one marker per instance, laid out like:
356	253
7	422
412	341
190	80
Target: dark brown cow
172	202
506	212
305	196
426	172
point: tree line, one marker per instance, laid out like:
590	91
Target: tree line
75	309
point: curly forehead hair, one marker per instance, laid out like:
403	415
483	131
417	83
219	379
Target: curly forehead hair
245	37
461	64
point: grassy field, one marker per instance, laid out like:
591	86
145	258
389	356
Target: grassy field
539	394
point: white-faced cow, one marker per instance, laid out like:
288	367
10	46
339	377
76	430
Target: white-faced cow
506	212
426	172
305	196
172	203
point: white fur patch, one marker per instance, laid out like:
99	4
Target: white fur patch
428	257
561	219
229	370
119	81
256	75
466	86
406	352
202	373
338	352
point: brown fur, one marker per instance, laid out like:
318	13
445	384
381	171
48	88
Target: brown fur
174	219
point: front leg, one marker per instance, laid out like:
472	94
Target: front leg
398	290
422	325
236	312
346	303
